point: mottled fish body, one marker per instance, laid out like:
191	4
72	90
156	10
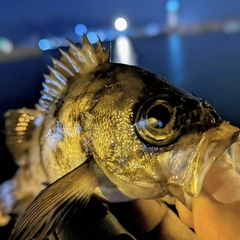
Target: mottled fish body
114	131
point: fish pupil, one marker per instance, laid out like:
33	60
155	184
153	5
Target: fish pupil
160	114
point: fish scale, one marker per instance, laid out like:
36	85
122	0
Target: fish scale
112	131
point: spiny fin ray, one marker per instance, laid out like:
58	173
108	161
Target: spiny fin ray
19	125
61	67
75	61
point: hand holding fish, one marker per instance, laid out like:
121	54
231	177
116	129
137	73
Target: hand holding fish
115	132
215	219
155	220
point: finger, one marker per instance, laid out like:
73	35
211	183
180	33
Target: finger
172	228
140	216
185	214
144	216
223	183
213	220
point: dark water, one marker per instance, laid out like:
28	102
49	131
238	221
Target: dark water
207	65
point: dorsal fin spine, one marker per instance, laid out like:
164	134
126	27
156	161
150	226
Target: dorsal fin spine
89	51
61	66
40	108
46	95
44	103
49	80
73	62
70	60
58	75
51	91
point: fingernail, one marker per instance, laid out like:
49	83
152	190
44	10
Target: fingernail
223	183
229	191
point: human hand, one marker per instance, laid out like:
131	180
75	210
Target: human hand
215	212
151	219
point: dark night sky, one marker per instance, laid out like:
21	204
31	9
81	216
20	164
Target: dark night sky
21	18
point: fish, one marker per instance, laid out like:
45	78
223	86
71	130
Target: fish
111	131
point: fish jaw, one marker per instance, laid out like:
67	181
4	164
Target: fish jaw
221	143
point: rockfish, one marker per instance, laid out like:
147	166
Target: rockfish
112	131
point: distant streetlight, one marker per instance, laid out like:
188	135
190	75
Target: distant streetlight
172	7
121	24
6	46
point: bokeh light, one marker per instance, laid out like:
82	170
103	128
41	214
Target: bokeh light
172	5
110	34
80	29
102	35
44	44
152	29
121	24
92	37
124	51
6	46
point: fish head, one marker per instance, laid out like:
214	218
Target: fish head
151	138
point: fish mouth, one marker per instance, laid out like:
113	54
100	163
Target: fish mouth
217	145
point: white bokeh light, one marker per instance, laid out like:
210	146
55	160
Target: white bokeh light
6	46
121	24
124	51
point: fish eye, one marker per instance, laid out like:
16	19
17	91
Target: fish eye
161	121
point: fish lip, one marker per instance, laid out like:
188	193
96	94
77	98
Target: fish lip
212	147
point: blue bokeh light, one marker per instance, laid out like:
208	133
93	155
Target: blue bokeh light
172	5
92	37
152	29
102	35
44	44
80	29
110	34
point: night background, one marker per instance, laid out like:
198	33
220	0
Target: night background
195	45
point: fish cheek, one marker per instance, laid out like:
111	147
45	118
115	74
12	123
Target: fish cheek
120	155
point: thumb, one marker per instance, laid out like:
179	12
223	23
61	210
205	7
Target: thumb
214	220
216	211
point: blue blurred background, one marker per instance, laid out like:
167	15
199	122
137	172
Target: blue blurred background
195	45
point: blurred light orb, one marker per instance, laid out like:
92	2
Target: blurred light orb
172	5
6	46
110	35
44	44
80	29
102	35
56	42
152	29
121	24
92	37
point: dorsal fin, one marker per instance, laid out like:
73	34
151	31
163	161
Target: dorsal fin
73	62
20	125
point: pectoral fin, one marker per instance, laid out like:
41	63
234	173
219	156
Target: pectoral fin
51	206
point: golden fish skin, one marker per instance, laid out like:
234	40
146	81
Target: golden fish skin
135	134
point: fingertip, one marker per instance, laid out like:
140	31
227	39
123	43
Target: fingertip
214	220
223	183
185	214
